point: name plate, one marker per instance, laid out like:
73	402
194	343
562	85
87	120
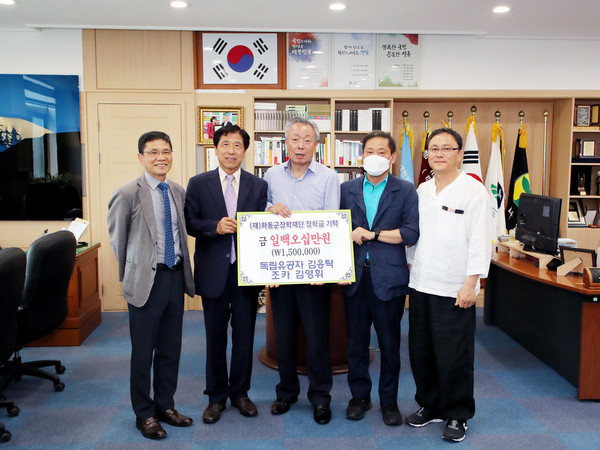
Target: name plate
308	247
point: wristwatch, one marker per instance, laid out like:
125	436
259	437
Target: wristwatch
377	231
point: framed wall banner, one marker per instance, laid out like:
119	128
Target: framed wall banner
398	60
240	60
307	247
211	118
210	158
308	56
353	61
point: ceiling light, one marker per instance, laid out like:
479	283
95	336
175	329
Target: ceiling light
337	6
501	9
178	4
7	2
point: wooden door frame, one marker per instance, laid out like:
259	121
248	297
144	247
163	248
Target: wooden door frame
93	152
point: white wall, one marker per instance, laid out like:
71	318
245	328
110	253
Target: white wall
49	52
447	62
465	62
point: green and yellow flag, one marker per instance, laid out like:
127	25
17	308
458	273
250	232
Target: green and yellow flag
519	179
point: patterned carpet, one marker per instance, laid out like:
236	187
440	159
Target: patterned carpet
521	403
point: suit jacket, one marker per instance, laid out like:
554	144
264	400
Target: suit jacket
398	209
204	208
132	232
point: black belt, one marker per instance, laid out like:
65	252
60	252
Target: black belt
161	266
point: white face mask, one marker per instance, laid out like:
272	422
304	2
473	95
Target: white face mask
375	165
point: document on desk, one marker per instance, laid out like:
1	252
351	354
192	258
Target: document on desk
77	227
308	247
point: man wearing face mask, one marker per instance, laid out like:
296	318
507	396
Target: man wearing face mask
385	219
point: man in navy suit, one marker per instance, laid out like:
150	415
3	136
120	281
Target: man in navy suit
385	219
212	199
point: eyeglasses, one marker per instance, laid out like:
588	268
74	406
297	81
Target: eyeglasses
444	150
156	153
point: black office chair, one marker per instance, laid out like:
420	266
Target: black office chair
44	306
12	277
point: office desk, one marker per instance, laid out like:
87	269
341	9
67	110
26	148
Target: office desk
555	318
84	303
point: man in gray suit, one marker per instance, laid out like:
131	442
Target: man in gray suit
147	233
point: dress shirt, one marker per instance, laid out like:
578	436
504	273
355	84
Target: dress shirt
455	238
159	214
372	195
317	189
235	182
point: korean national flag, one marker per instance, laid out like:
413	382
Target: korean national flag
239	58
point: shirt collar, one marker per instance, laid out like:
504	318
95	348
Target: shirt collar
381	183
152	182
311	167
236	174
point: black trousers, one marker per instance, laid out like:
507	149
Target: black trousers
441	342
155	330
238	304
309	305
362	310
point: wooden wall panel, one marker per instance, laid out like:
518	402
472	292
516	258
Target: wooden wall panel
139	60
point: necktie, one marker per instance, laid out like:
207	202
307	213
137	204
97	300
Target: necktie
169	243
231	205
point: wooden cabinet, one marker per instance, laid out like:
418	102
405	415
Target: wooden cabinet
84	303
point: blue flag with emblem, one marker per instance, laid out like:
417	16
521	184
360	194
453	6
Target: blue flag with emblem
406	162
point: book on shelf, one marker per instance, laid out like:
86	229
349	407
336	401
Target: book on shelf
274	120
366	120
265	105
270	151
349	175
320	114
348	153
338	120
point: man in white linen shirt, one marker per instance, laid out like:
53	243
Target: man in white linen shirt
452	254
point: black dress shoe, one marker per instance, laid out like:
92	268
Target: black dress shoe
281	406
357	408
246	406
322	414
212	413
391	414
150	428
173	418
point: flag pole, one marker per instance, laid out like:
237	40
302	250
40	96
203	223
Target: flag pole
521	117
546	113
497	115
426	116
450	115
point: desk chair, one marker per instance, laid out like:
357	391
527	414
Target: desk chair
44	306
12	277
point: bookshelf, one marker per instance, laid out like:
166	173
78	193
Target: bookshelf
342	123
576	167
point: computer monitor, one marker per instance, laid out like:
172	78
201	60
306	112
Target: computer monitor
538	221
